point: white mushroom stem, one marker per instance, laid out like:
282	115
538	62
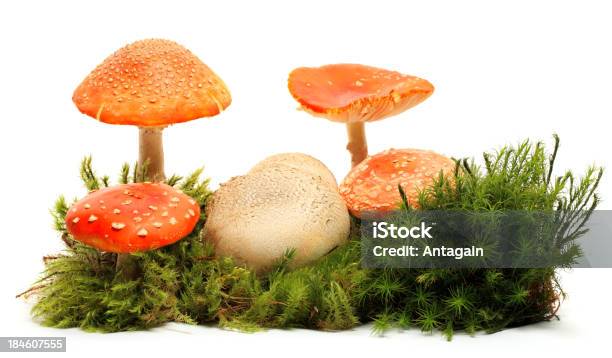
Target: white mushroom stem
357	144
151	152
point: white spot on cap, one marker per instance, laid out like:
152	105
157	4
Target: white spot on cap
87	206
75	220
157	224
142	232
137	219
165	213
172	221
175	199
358	83
191	212
116	211
92	218
152	207
127	202
117	226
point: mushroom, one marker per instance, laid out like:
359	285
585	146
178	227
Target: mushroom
131	218
372	186
151	84
355	94
287	201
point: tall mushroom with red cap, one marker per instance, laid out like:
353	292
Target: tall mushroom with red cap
355	94
132	218
372	186
151	84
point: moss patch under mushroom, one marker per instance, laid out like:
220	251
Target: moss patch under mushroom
183	282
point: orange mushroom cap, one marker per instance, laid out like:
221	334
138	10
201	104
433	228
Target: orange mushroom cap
372	185
356	93
151	83
132	217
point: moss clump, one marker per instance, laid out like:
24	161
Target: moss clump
185	283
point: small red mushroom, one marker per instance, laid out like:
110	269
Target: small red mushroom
355	94
372	186
132	217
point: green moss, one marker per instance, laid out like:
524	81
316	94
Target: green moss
185	283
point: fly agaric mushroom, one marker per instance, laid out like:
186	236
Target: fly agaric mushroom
287	201
372	186
355	94
151	84
132	217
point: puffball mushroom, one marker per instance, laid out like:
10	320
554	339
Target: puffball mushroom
287	201
372	186
151	84
130	218
355	94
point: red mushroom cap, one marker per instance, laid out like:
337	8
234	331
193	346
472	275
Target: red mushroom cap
372	185
132	217
356	93
151	83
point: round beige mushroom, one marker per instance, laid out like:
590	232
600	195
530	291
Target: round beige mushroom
287	201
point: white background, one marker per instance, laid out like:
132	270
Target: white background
503	71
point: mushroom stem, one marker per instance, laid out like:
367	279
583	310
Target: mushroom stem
128	266
357	144
151	154
151	151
